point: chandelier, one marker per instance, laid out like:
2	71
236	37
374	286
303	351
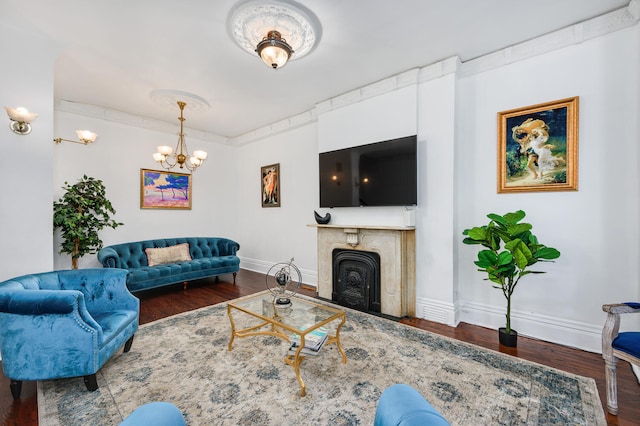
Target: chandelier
181	156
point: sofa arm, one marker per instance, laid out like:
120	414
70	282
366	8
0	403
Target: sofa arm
227	247
109	258
38	302
54	336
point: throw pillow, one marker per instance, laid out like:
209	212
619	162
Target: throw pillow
172	254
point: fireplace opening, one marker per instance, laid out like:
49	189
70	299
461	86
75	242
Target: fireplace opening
356	280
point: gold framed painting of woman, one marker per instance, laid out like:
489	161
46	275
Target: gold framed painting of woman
538	147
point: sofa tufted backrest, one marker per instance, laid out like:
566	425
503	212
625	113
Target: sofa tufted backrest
41	281
133	255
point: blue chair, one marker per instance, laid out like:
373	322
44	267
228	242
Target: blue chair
402	405
615	345
156	414
64	324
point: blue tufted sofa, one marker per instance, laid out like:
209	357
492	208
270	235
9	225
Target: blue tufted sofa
210	256
64	324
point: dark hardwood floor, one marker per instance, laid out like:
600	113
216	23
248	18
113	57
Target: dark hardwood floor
160	303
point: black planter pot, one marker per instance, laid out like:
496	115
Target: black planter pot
510	340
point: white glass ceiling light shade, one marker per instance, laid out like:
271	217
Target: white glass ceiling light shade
274	50
20	120
278	30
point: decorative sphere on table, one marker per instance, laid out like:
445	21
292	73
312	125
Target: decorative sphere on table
283	282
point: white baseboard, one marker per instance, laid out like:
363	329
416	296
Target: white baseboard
309	277
437	311
558	330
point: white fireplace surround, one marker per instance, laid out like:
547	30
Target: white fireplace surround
396	247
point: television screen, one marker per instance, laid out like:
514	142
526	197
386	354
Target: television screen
377	174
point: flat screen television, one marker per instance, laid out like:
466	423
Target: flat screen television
377	174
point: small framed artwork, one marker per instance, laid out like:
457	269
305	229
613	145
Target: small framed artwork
270	185
538	147
164	190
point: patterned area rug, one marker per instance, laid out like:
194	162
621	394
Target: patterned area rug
185	360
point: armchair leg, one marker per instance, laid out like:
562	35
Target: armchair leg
612	386
16	388
91	382
127	345
234	278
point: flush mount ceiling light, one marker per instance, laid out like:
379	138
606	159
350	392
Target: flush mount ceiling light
276	30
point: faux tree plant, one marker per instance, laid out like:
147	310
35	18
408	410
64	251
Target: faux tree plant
81	213
510	250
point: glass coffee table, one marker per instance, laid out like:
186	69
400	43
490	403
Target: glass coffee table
301	318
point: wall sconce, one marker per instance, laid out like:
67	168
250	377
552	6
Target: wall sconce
20	119
85	136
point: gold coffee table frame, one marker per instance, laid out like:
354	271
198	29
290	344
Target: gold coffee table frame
283	323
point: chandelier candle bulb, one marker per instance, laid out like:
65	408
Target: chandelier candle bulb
165	150
200	155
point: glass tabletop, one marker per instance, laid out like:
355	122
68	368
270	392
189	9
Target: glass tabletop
301	315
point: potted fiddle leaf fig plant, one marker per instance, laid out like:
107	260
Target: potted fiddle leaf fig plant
510	249
81	212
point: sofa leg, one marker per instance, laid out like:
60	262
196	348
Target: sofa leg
234	278
184	285
16	388
127	346
91	382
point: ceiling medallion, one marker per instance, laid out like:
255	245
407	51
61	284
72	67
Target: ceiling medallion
251	22
169	98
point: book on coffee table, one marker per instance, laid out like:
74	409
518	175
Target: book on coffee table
312	340
313	351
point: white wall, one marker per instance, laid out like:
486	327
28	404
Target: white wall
117	157
270	235
436	292
25	209
595	228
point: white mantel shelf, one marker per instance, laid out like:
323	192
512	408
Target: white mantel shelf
391	228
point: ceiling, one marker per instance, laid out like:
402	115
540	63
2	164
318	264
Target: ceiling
114	53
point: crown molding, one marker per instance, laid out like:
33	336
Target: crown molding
125	118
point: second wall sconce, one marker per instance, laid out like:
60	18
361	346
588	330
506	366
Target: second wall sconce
20	120
85	136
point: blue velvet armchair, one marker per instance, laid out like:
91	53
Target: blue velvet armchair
64	324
